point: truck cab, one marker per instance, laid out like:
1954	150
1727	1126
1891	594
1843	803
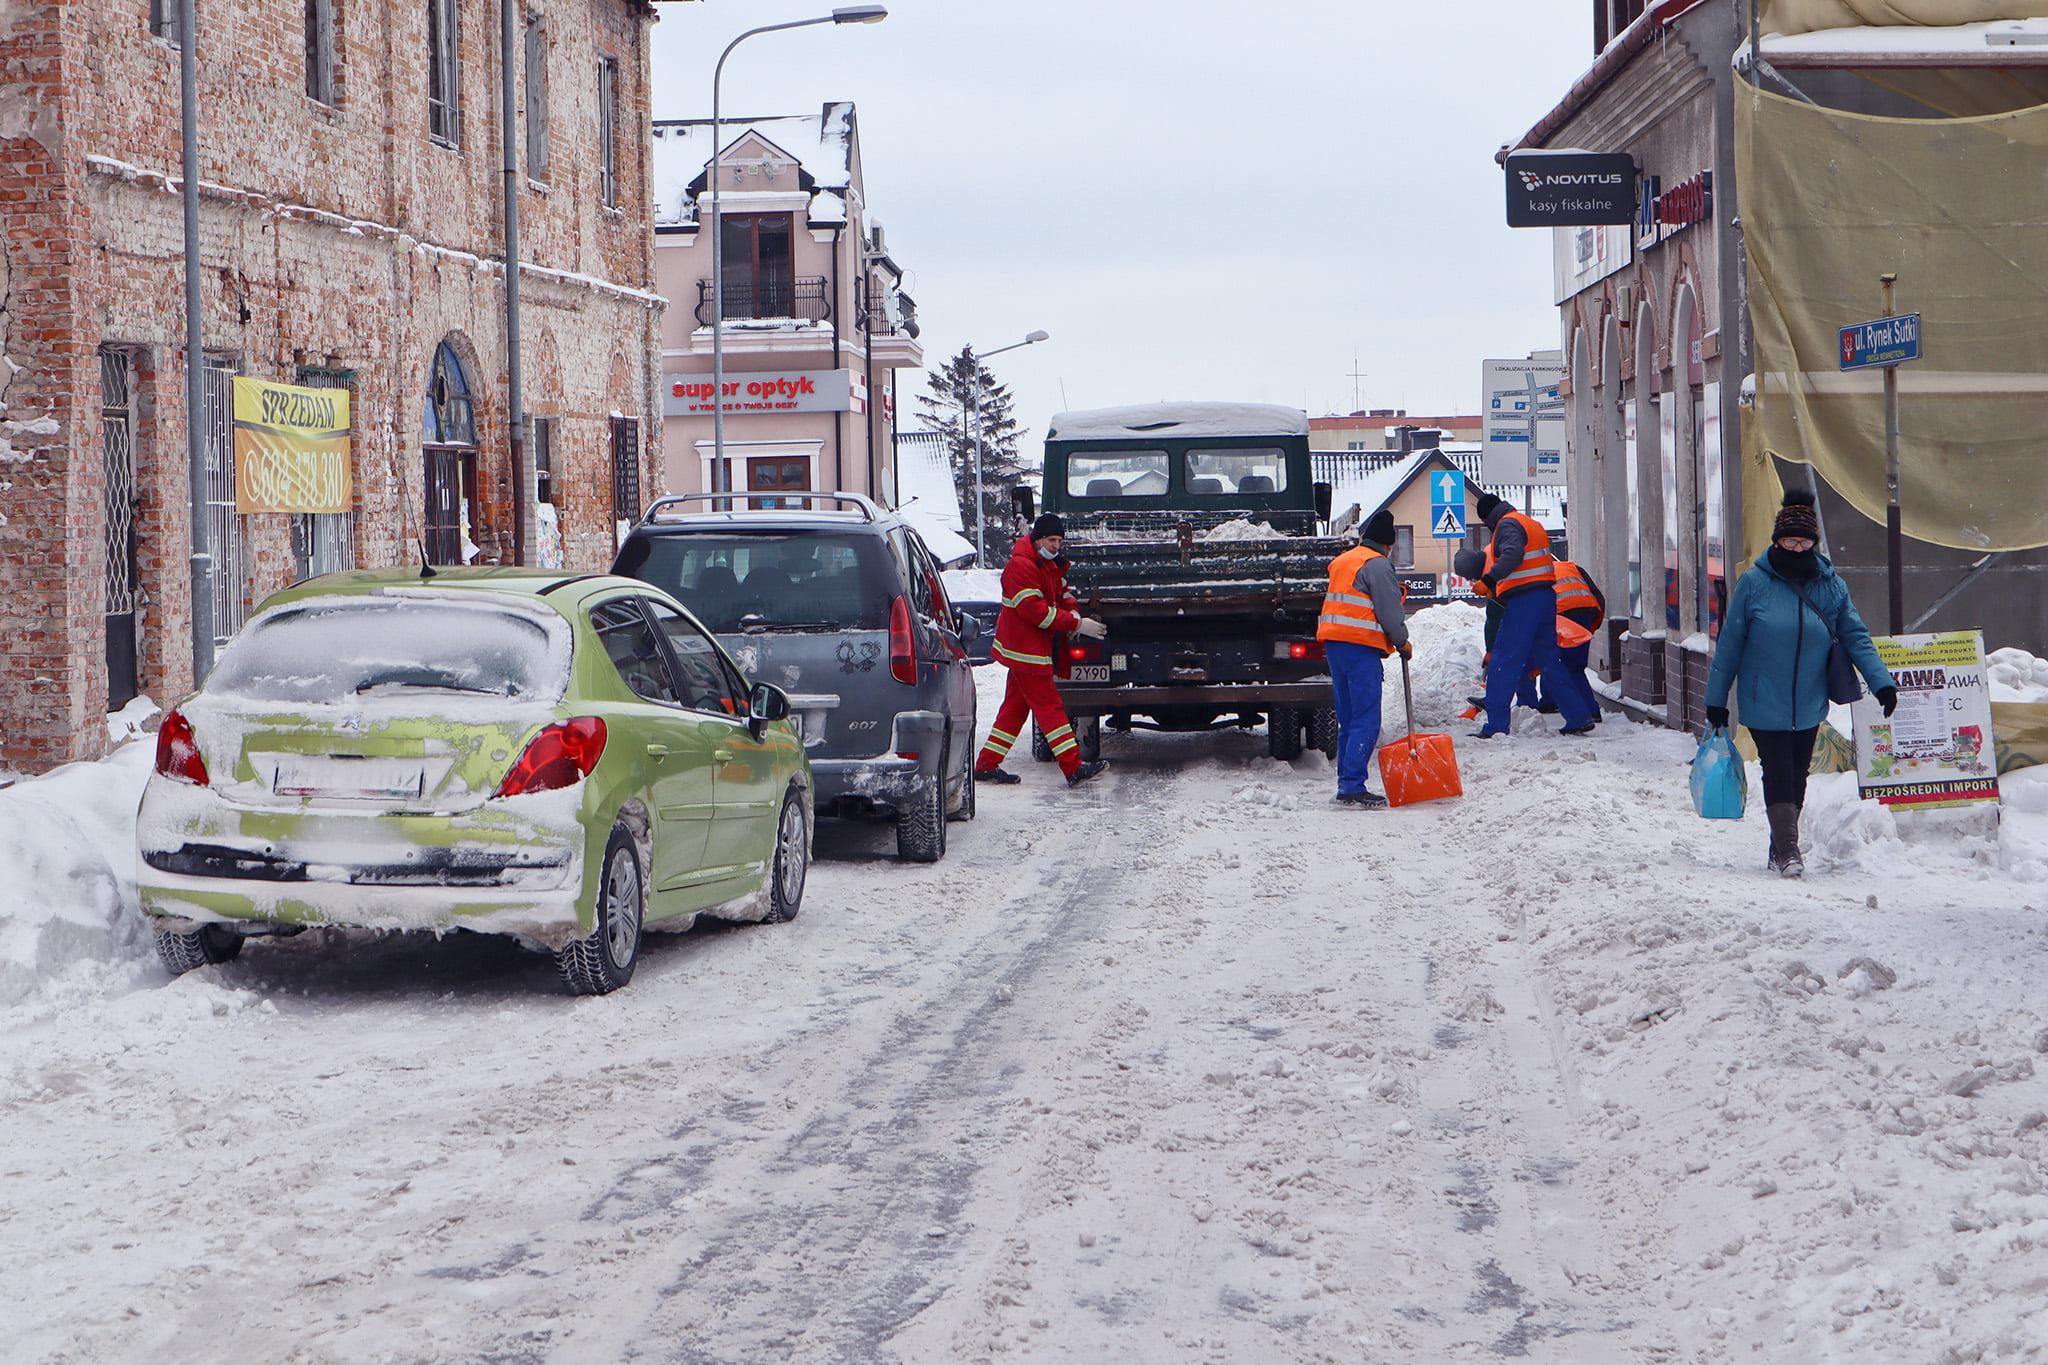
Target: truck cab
1197	535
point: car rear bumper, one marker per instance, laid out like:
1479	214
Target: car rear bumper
1095	699
888	781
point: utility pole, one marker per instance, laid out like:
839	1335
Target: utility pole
1894	535
522	483
195	347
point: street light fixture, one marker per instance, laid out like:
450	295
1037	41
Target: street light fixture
845	14
980	506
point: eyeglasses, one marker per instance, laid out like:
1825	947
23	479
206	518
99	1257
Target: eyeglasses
1796	544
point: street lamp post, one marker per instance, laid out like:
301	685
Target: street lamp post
981	506
846	14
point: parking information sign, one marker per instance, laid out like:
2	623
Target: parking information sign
1447	504
1886	341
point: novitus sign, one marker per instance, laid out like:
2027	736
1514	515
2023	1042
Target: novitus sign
766	392
1570	189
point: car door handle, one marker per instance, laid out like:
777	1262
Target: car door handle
657	751
721	755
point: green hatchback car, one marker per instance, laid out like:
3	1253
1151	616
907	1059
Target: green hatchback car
567	760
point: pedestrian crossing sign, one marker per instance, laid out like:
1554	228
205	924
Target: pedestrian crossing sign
1450	523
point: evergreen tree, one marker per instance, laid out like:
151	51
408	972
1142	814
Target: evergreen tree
950	408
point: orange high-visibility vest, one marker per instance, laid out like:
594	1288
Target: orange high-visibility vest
1347	612
1537	565
1574	592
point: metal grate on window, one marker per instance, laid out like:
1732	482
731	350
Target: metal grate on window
625	475
223	526
117	452
324	542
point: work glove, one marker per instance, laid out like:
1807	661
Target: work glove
1406	649
1717	717
1888	698
1487	585
1092	628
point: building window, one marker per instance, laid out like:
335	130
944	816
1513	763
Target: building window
625	476
760	265
544	459
444	74
324	542
448	442
320	50
536	97
608	130
118	492
163	19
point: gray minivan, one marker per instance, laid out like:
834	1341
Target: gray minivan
838	603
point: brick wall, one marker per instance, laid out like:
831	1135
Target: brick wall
339	237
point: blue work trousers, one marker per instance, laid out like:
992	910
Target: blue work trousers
1357	673
1576	660
1528	639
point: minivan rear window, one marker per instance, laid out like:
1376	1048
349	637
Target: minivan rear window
790	580
333	649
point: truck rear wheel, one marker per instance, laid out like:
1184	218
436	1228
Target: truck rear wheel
1322	731
1041	748
1089	733
1283	733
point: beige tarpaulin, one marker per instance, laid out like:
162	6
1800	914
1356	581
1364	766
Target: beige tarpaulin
1831	200
1807	16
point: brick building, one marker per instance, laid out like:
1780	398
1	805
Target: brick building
352	236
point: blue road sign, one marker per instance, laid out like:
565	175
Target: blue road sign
1885	341
1447	504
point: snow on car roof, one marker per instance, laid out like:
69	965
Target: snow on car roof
1179	419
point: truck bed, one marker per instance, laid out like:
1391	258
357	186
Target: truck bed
1167	573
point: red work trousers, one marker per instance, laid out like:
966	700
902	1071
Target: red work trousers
1031	693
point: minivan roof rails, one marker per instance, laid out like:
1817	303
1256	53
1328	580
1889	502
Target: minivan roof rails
865	506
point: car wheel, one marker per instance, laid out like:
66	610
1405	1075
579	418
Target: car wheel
1283	733
603	960
1041	747
208	944
1322	731
1089	733
921	830
791	866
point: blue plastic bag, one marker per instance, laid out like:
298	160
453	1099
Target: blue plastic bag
1720	786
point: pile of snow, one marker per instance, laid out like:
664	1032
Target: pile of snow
2017	676
1450	649
1241	528
131	721
974	585
67	861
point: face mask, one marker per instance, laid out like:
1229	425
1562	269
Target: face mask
1046	552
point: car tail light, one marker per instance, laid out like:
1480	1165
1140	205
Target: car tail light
177	751
561	755
902	646
1297	649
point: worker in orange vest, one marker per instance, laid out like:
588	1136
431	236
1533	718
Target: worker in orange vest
1521	574
1362	623
1579	600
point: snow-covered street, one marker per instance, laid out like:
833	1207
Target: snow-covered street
1187	1064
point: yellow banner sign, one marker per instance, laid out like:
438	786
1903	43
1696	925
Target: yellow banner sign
291	448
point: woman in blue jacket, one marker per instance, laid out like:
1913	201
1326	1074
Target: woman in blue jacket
1787	611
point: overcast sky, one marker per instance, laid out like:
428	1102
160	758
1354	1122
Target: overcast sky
1198	199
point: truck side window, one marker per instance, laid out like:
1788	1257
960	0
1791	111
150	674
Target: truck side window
1237	469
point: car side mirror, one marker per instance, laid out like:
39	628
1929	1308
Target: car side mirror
969	626
766	703
1323	497
1026	505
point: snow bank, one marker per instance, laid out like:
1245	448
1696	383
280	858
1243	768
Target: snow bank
2016	676
67	861
1450	647
1241	528
131	721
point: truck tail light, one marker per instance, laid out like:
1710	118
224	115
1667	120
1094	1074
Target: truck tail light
561	755
1086	651
902	645
177	751
1297	649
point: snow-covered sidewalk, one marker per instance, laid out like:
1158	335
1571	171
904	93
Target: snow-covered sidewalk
1184	1065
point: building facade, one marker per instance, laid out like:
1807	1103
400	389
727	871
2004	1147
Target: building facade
816	321
351	237
1381	428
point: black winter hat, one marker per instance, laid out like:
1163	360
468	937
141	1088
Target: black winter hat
1488	504
1468	563
1048	525
1380	528
1797	517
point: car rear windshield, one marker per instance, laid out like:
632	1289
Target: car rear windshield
1117	474
1230	470
332	650
791	579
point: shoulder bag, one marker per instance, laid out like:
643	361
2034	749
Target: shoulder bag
1844	684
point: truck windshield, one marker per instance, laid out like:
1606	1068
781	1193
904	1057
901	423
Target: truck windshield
1118	474
820	580
1236	469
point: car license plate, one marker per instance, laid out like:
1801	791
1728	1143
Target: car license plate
353	779
1091	673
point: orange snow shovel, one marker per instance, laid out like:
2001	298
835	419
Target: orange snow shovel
1420	767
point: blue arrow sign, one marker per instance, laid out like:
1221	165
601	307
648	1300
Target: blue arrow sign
1886	341
1447	489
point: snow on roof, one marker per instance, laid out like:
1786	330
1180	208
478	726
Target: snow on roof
924	476
1375	490
1179	419
947	545
821	143
2001	42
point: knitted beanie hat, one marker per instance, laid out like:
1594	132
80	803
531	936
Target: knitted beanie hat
1797	517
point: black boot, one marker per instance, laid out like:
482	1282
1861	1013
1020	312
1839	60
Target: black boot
1785	859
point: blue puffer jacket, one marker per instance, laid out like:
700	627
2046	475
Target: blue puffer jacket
1778	647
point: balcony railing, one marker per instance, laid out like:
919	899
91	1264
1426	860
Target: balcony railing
797	300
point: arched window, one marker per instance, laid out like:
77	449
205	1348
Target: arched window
448	449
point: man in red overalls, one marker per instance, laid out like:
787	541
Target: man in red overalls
1036	608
